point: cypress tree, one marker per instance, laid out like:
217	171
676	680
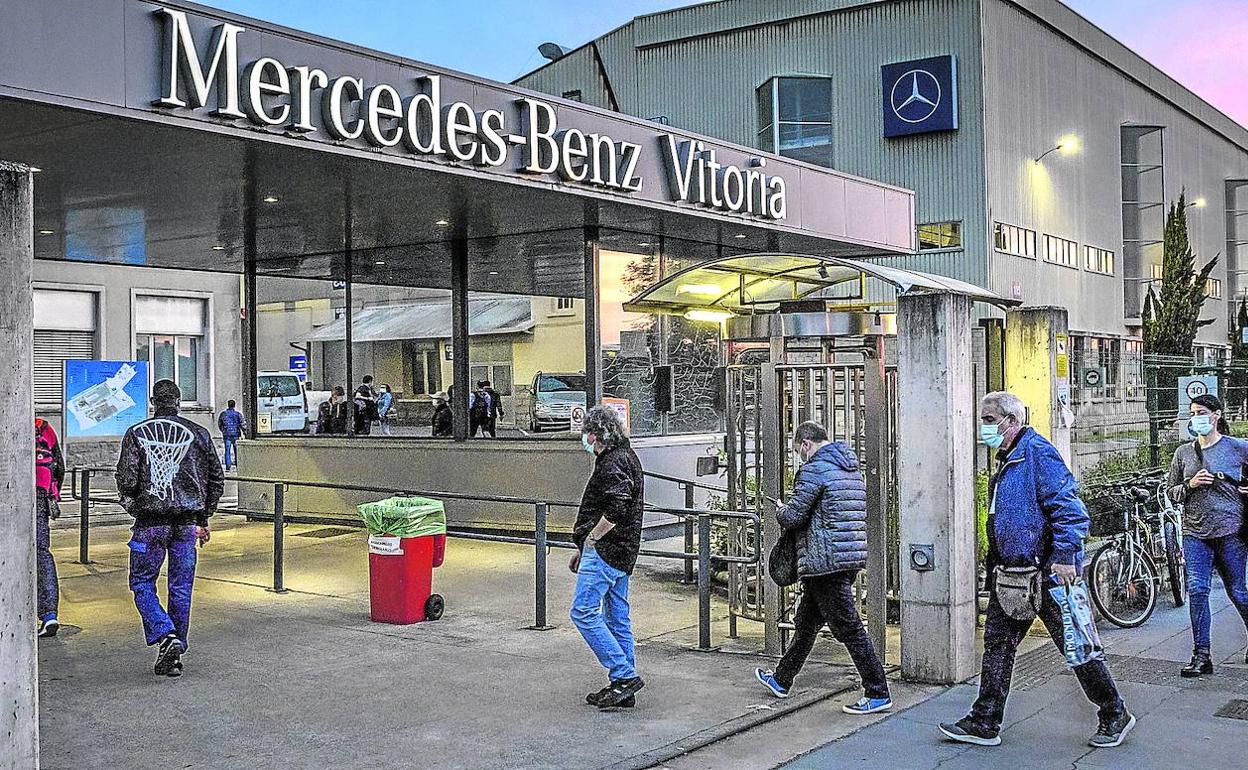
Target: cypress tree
1171	317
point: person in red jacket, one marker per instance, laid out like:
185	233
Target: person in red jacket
49	475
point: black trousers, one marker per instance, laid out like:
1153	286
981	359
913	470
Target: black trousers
830	599
1002	635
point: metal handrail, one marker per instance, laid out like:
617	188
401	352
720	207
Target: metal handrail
692	515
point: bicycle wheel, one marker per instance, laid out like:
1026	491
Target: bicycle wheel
1175	565
1123	587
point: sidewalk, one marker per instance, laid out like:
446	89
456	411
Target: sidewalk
1048	721
305	680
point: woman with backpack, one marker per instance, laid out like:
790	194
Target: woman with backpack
49	475
1208	476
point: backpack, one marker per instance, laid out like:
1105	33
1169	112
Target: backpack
480	411
45	446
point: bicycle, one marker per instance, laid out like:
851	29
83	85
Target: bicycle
1144	528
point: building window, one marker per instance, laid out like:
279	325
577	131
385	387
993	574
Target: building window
499	376
65	329
170	334
1213	288
1155	273
563	306
1133	369
1096	363
1011	239
795	118
1098	260
574	96
940	235
1060	251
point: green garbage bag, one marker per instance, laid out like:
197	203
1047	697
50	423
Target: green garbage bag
404	517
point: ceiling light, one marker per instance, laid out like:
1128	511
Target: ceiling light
711	316
270	199
36	170
218	248
47	232
823	271
380	262
700	289
441	223
493	272
740	235
644	244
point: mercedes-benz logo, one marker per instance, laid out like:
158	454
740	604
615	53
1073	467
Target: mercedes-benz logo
915	96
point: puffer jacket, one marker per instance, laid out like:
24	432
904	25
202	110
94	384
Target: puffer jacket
1035	516
169	472
827	512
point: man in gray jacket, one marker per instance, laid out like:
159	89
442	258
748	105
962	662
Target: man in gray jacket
827	516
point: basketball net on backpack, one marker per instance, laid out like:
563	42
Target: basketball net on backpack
165	443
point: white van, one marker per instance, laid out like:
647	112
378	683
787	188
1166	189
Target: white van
281	396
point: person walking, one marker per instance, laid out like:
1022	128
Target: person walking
827	516
385	405
49	476
230	422
479	408
170	480
494	409
1207	477
1035	520
607	534
332	416
364	407
443	418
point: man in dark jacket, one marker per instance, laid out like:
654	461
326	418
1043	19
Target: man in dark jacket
607	534
443	418
827	517
232	429
1035	519
170	480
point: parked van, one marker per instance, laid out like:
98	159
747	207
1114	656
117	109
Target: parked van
280	395
554	395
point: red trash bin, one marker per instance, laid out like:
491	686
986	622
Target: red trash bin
400	577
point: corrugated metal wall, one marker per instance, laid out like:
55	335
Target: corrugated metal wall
1038	88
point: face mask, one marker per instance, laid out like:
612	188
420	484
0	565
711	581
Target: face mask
991	435
1200	425
586	444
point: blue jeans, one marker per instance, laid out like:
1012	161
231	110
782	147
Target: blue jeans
48	590
600	612
1229	555
148	548
231	451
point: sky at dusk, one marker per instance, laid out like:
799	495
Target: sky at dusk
1201	43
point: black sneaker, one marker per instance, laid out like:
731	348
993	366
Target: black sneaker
594	697
1112	732
966	731
619	692
49	627
169	658
1200	665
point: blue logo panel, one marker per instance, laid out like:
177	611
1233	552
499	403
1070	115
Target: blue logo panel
920	96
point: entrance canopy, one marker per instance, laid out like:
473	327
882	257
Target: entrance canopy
758	283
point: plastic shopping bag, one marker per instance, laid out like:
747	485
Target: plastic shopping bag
1081	641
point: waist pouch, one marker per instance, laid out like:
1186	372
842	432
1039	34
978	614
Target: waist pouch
1019	590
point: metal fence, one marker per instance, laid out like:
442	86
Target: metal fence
698	524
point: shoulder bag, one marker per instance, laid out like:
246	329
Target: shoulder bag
1019	590
782	561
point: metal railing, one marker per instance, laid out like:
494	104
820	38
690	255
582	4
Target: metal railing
696	519
687	486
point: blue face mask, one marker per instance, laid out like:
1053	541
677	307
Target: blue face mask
1200	425
586	444
991	435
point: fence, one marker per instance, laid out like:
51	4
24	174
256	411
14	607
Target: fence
697	521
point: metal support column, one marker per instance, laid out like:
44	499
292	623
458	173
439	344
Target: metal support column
348	298
593	323
461	371
279	545
771	483
249	301
84	518
875	408
539	568
704	582
689	531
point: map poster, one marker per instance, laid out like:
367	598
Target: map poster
104	398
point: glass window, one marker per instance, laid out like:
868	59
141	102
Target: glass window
940	235
1060	251
1011	239
549	383
188	367
181	358
1213	288
162	359
433	371
502	379
283	386
795	118
574	95
1098	260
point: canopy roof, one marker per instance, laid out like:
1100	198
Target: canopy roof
758	283
430	320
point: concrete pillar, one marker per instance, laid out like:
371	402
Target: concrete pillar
19	692
1037	370
935	473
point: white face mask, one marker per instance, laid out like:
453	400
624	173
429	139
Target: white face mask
586	444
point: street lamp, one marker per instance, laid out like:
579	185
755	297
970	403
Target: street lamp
1067	145
1197	203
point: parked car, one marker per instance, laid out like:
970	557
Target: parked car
281	395
553	396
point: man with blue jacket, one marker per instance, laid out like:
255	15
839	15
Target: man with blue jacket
1035	520
827	517
231	424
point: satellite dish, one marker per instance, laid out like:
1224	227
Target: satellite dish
552	51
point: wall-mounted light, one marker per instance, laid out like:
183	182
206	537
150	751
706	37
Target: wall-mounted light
1067	145
441	223
218	248
47	232
1198	203
270	199
710	316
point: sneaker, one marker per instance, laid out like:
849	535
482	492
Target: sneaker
595	697
1200	664
620	691
169	658
966	731
49	626
768	678
868	706
1112	732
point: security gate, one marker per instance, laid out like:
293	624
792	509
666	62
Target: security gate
855	399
